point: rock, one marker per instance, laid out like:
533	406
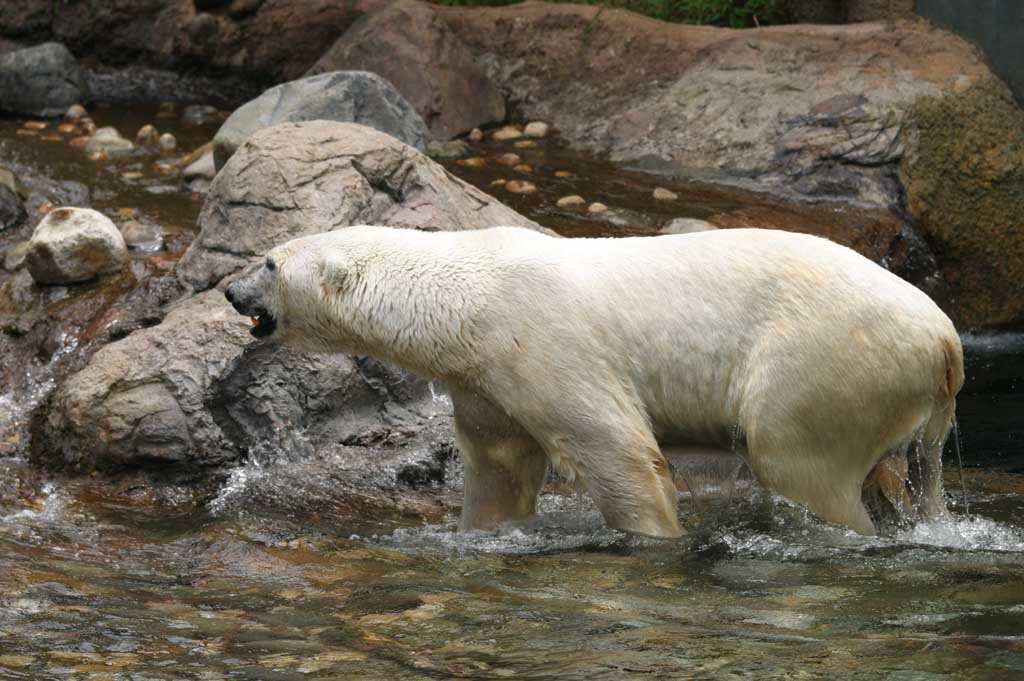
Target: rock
409	45
108	141
473	162
509	132
686	226
523	168
571	201
303	178
476	135
662	194
536	129
447	150
202	167
75	112
597	207
8	179
147	135
12	210
525	144
198	114
521	187
144	236
509	159
167	142
72	245
40	81
14	256
349	96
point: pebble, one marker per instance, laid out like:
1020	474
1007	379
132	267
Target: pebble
88	125
202	167
498	183
525	144
146	136
472	162
131	175
536	129
571	201
197	114
75	111
563	173
35	125
67	128
142	236
476	135
165	167
108	140
520	187
509	132
168	142
597	207
662	194
523	168
79	141
128	212
51	138
509	159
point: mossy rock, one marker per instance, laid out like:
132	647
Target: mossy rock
963	172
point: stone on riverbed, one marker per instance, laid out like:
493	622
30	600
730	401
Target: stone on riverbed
296	179
40	81
73	245
348	96
108	141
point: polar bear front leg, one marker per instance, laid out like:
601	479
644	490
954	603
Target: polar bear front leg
504	468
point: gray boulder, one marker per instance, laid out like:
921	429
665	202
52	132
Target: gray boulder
72	245
40	81
350	96
296	179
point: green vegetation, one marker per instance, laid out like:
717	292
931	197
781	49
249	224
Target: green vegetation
731	13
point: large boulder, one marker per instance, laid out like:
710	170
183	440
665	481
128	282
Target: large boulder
72	245
195	390
296	179
350	96
40	81
406	43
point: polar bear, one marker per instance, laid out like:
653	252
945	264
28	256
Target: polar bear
598	356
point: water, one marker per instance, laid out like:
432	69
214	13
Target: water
278	572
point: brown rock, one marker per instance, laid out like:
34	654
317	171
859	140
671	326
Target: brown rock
303	178
662	194
509	159
406	43
520	187
509	132
571	201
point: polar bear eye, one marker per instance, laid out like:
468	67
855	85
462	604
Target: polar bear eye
271	265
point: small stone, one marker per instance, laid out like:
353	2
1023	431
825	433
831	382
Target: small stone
523	168
165	167
79	141
571	201
131	175
75	112
597	207
509	159
498	183
563	173
472	162
147	135
14	256
35	125
524	144
168	142
72	245
128	212
520	187
536	129
476	135
51	138
662	194
142	236
99	156
88	125
447	150
109	141
67	128
509	132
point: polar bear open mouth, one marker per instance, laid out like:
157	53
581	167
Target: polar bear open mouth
263	324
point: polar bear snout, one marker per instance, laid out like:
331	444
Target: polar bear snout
245	298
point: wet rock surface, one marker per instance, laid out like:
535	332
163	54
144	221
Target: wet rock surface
346	96
40	81
406	43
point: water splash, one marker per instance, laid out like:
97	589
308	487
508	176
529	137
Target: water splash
40	381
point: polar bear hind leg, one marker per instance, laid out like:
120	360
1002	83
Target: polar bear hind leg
504	468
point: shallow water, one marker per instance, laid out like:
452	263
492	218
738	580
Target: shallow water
276	577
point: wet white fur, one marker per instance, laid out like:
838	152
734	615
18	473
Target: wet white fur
596	354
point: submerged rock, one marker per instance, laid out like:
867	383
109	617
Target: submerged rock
349	96
303	178
73	245
108	141
40	81
409	45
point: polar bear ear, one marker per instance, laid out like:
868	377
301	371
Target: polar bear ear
333	275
